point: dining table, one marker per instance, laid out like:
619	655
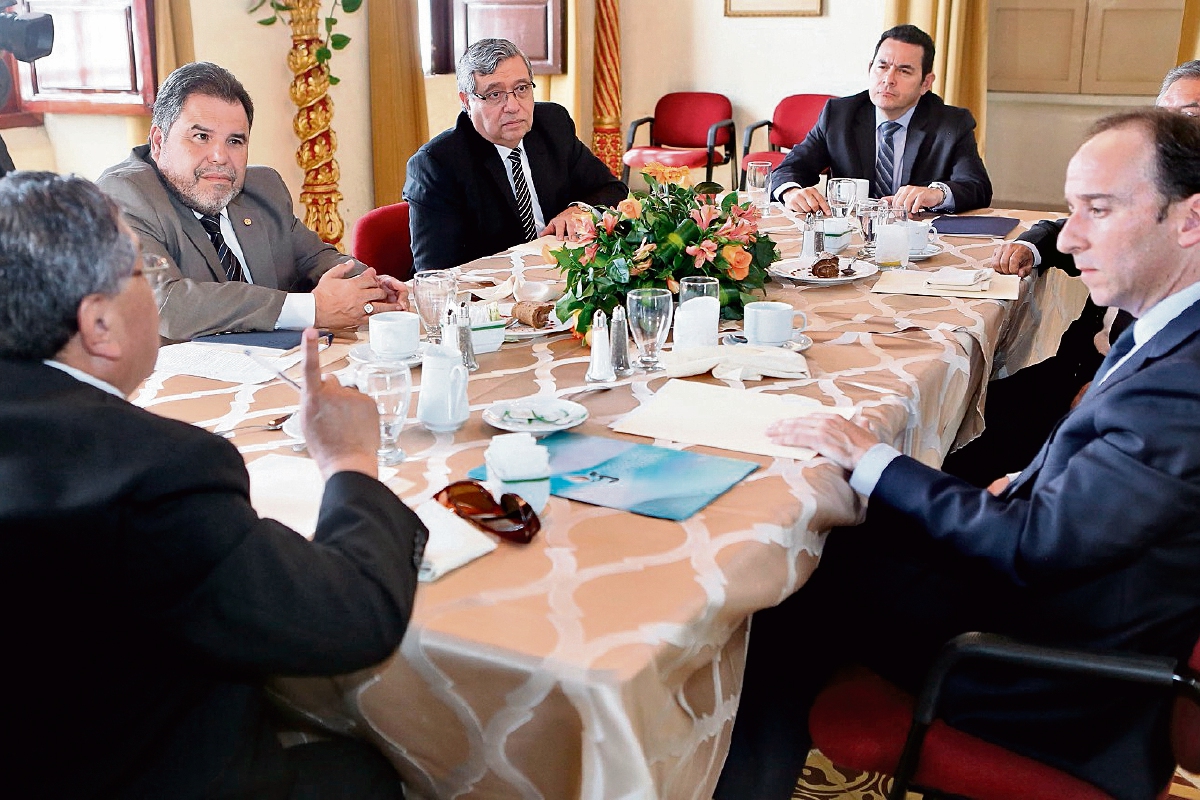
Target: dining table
604	659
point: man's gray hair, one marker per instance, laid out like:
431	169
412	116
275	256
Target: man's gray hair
484	57
199	77
1188	69
61	239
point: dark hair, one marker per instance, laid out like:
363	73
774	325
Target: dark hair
1176	140
1188	69
61	239
910	34
484	57
199	77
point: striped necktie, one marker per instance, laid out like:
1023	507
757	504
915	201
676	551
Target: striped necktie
885	160
521	189
229	262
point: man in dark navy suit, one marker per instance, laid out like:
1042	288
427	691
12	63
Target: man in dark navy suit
1095	545
914	148
507	172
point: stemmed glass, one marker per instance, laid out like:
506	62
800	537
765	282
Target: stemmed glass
841	193
649	321
434	290
389	384
867	213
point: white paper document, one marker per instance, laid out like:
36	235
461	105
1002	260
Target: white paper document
222	362
915	281
720	416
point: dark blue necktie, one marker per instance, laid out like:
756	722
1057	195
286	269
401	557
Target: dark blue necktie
229	262
1119	350
885	160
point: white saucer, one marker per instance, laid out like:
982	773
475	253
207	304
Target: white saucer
929	252
534	415
363	354
800	270
798	343
291	427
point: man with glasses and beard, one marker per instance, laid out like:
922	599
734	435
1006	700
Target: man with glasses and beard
506	173
240	259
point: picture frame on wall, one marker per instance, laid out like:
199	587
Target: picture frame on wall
772	8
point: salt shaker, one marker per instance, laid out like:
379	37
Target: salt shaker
809	248
600	369
618	342
450	329
466	345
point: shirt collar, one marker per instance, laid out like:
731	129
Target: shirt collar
504	151
86	377
224	214
1161	314
904	119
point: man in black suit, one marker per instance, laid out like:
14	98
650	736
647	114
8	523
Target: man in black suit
914	148
507	172
1022	408
1095	545
145	602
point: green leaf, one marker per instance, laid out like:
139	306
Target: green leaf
708	187
323	55
256	6
334	80
350	6
269	20
618	270
278	6
338	41
329	23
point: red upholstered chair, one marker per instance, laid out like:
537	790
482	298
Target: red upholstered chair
794	117
685	131
382	240
861	721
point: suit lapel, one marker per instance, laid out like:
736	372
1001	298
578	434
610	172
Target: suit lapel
539	165
252	237
864	139
199	239
912	144
487	154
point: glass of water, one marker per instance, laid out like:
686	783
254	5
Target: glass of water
649	321
841	194
434	290
758	181
389	384
867	213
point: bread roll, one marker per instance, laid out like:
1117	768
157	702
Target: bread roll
533	314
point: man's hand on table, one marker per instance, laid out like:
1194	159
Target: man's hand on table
915	199
807	200
562	227
1011	258
341	300
341	425
841	441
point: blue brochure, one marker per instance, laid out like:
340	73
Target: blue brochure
647	480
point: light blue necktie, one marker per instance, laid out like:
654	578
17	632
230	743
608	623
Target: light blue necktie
885	160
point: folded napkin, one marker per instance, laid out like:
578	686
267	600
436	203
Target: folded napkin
735	362
289	489
452	541
498	292
952	278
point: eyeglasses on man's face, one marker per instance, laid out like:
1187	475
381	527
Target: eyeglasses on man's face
498	97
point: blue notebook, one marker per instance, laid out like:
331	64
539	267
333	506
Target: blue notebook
277	340
996	227
641	478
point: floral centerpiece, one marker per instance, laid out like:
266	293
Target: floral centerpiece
655	239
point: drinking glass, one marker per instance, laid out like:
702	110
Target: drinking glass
389	384
758	181
649	321
841	194
434	290
867	214
699	313
698	286
891	238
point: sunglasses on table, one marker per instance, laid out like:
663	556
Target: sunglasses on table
511	519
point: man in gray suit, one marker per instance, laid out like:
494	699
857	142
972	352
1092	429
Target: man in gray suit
239	257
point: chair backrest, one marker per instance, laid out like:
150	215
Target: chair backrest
794	117
382	240
682	119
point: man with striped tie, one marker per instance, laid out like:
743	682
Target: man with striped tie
240	260
914	148
507	172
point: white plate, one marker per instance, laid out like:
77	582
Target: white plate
798	343
291	427
798	269
929	252
363	354
534	415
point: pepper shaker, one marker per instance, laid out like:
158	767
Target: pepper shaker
618	342
466	345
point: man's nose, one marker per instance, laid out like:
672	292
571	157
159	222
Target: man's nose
1070	238
510	101
217	152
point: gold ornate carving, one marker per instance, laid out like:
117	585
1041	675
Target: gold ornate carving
606	86
318	143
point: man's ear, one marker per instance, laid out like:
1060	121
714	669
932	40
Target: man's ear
156	140
96	333
927	82
462	101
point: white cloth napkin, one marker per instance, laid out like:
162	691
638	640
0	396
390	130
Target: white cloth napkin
452	541
735	362
289	489
498	292
952	278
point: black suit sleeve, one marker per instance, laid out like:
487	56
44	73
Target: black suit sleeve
806	161
968	179
1044	237
437	223
589	180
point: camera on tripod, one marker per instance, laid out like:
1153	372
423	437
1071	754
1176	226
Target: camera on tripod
28	36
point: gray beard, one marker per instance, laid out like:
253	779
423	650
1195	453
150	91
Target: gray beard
195	203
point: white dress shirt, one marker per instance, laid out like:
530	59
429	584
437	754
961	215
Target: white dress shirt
538	217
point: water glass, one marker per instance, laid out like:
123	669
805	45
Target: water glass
434	290
891	239
389	384
841	194
758	181
699	313
698	286
649	321
867	213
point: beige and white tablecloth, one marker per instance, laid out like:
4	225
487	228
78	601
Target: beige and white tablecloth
604	659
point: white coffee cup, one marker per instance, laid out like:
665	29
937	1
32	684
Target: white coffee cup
770	324
864	189
918	235
395	334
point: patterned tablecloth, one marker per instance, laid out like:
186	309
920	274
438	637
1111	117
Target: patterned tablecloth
604	660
